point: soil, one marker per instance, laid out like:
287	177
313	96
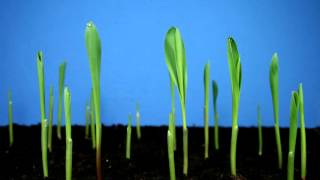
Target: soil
149	155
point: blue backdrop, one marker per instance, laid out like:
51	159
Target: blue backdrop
133	65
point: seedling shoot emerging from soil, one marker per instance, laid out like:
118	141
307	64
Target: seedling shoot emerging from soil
93	46
128	142
170	142
62	70
274	81
138	128
50	119
10	119
235	76
216	125
292	133
67	111
87	130
92	122
176	63
173	112
206	78
43	114
259	131
302	136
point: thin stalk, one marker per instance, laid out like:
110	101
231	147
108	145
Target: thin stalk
234	136
62	70
67	111
92	121
259	131
138	128
216	124
206	79
50	119
274	86
128	144
173	112
292	134
302	135
185	142
171	154
43	114
10	119
93	46
87	130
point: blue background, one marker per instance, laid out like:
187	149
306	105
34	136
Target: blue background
133	65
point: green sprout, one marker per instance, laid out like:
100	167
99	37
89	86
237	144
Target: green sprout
138	128
292	133
43	114
176	63
206	78
62	70
10	119
173	112
216	125
92	122
128	144
87	130
235	76
274	81
93	46
170	141
50	119
259	131
302	136
67	111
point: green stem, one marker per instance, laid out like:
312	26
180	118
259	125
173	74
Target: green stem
216	131
185	139
92	121
87	130
138	128
260	132
50	120
128	144
62	69
171	154
67	107
10	120
206	132
279	148
302	136
234	134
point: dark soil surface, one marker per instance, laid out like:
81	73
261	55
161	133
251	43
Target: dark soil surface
149	155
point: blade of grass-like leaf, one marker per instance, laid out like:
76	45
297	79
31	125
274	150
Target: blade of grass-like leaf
302	135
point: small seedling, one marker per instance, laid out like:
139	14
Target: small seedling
87	130
43	114
173	112
50	119
274	81
128	144
93	46
206	78
235	76
176	63
138	128
92	122
302	135
62	70
67	111
216	124
10	119
259	131
294	105
170	142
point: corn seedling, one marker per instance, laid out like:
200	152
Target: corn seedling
302	136
50	119
274	81
292	133
170	141
235	76
43	114
67	111
216	125
128	144
259	131
62	70
176	63
173	112
92	122
138	128
10	119
87	130
206	78
93	46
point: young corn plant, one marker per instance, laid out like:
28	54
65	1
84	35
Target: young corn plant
44	139
128	144
67	111
10	119
216	123
62	70
274	81
294	105
206	77
87	130
138	128
302	135
173	112
259	131
92	122
93	46
170	142
235	76
50	120
176	63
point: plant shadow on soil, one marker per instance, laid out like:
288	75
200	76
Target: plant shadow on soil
149	155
